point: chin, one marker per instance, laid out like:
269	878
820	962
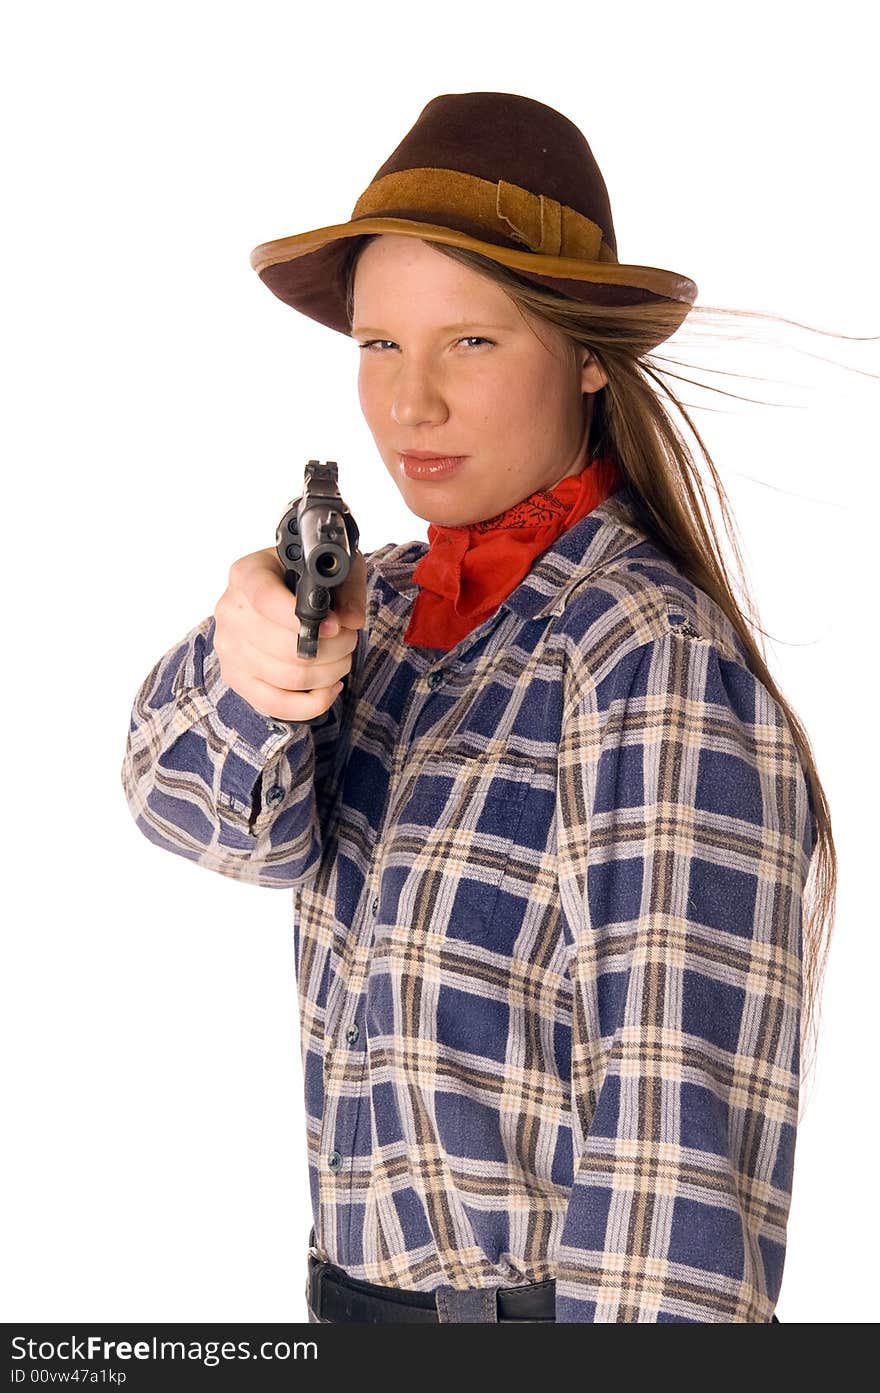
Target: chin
457	514
443	518
449	513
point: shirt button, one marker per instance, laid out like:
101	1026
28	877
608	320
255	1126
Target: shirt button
277	727
274	794
352	1033
434	679
334	1160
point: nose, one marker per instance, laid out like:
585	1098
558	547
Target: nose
417	397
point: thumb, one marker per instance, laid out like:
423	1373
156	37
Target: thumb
351	606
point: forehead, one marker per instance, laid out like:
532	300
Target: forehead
392	258
460	297
406	273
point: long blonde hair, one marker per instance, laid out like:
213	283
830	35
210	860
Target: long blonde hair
630	421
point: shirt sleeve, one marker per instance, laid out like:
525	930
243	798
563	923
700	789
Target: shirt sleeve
209	778
685	839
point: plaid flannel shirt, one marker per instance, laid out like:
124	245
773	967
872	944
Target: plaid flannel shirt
547	894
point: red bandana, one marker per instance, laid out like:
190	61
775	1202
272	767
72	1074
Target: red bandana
467	571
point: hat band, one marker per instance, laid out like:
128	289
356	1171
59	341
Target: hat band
542	224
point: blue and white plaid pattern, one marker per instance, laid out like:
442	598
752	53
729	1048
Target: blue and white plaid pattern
547	898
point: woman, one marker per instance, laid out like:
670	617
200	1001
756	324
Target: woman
549	850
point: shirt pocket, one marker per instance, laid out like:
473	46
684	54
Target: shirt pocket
451	837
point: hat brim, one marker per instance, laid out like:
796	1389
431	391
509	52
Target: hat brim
304	270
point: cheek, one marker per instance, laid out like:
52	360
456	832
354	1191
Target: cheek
516	394
363	389
493	397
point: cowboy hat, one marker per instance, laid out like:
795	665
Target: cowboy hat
495	172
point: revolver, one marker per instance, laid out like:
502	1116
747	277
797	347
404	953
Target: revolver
315	541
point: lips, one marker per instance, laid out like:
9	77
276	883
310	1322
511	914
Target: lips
428	454
421	466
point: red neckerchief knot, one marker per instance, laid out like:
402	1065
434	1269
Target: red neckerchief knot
467	571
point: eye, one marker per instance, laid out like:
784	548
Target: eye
468	337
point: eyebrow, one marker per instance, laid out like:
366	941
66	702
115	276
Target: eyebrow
444	329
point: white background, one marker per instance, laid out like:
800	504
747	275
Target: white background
160	405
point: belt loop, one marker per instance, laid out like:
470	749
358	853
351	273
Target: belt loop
314	1250
472	1304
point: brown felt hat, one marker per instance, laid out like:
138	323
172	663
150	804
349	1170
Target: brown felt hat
495	172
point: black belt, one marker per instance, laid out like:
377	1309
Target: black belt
334	1296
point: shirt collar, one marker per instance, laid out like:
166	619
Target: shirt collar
575	555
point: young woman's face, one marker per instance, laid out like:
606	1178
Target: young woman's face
502	390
